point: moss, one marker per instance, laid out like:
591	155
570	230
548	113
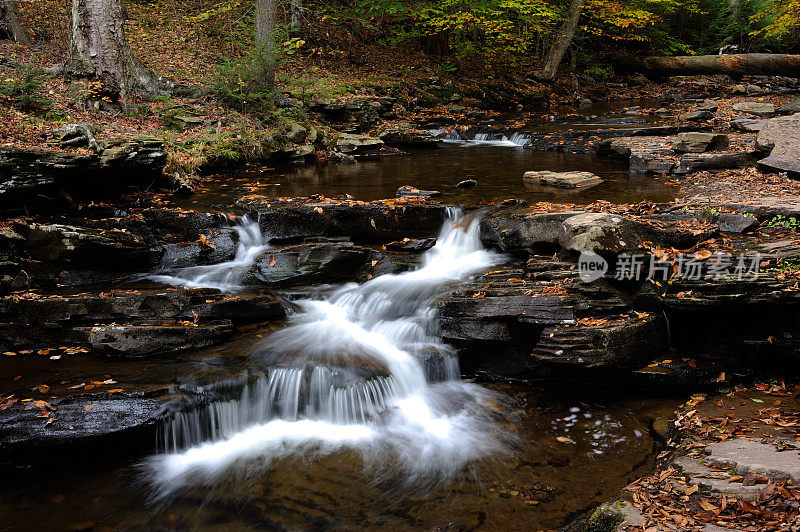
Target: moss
606	518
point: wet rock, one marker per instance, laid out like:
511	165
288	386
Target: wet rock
748	456
81	246
409	191
780	137
66	320
694	162
356	144
411	245
467	183
755	108
112	416
789	108
149	340
748	125
699	142
613	344
562	179
379	221
516	230
311	263
118	165
604	234
401	137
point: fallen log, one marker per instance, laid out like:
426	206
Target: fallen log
733	64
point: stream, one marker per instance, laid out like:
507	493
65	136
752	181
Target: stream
355	413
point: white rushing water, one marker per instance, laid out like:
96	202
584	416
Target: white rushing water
225	276
512	140
362	370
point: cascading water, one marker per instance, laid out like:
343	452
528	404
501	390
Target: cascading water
361	370
225	276
476	138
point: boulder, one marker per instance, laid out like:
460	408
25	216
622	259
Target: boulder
780	137
789	108
755	108
699	142
562	179
136	341
604	234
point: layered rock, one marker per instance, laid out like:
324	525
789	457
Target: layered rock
118	165
381	221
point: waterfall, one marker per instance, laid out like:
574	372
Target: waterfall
471	137
225	276
362	370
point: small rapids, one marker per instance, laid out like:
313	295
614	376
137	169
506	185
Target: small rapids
476	138
225	276
362	370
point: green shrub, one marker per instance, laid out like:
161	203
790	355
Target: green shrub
25	91
239	82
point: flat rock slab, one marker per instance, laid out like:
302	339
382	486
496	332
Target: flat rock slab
755	108
780	137
750	456
702	475
748	125
149	340
562	179
789	108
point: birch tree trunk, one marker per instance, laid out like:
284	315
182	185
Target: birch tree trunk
563	40
266	13
99	50
9	22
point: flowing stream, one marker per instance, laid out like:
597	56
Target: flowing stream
225	276
361	370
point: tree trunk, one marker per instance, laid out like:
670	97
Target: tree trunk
99	50
266	12
563	40
734	65
9	22
297	15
